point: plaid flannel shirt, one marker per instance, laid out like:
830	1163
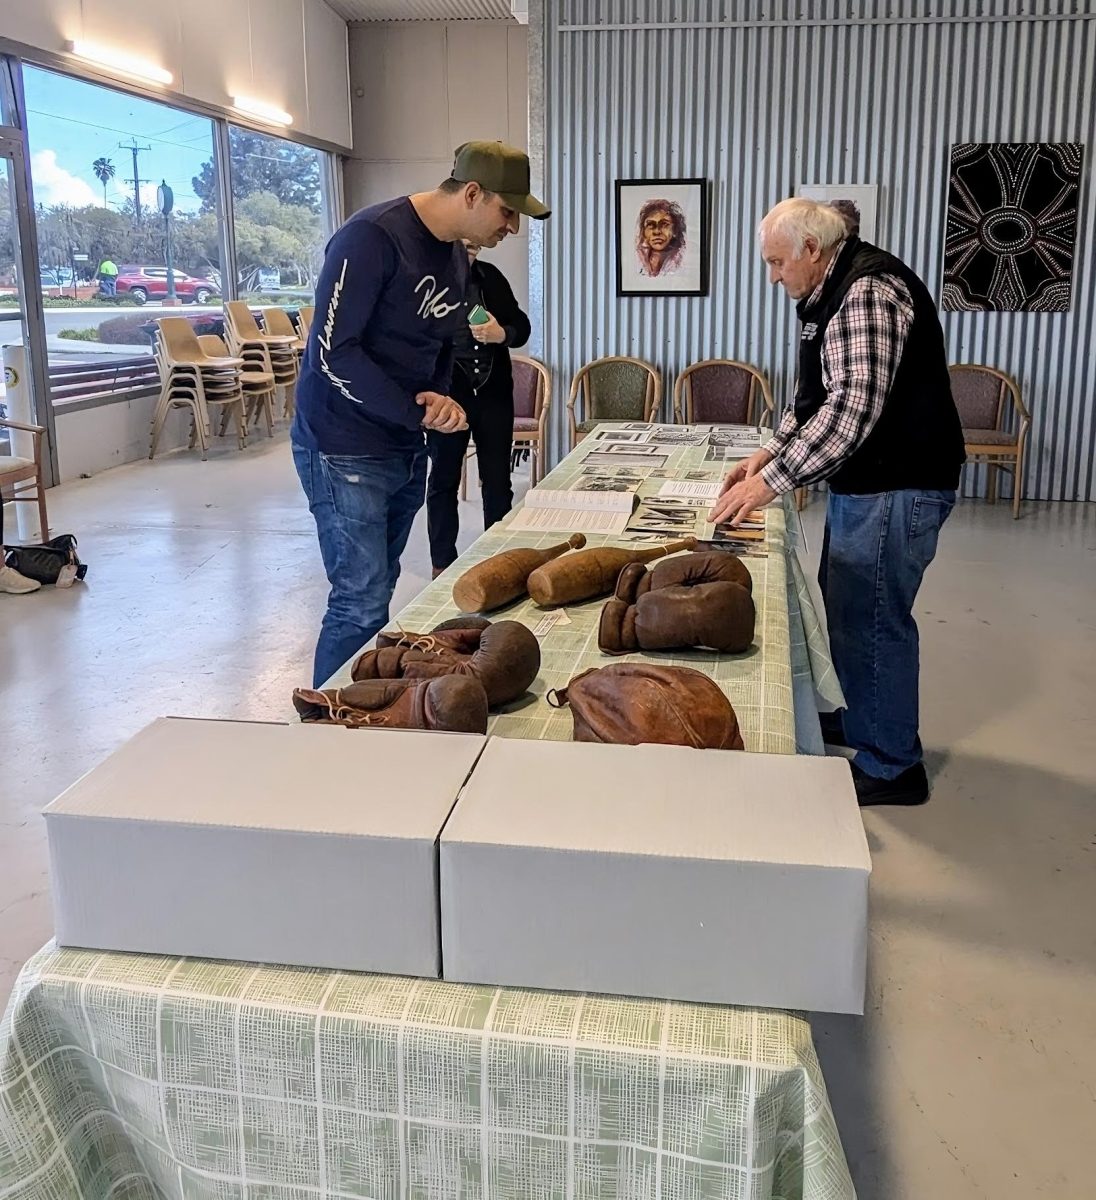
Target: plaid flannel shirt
861	350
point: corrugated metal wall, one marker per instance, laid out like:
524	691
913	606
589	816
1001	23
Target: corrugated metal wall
762	96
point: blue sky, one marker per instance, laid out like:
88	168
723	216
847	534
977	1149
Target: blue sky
72	123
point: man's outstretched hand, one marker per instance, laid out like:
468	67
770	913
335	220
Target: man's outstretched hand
743	490
443	414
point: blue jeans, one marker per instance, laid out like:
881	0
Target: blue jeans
364	509
874	555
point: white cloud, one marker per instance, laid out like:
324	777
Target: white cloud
54	185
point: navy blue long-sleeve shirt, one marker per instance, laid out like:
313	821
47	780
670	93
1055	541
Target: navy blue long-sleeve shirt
388	303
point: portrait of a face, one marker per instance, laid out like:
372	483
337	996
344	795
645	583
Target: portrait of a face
662	237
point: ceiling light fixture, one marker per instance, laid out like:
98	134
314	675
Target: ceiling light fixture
119	60
261	110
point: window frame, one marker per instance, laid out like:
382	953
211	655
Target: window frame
14	56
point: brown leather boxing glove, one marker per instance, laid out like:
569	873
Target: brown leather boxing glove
700	600
504	656
453	704
632	703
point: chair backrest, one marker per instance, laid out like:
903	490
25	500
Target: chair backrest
178	343
276	320
618	388
304	316
722	391
213	345
979	394
532	386
241	321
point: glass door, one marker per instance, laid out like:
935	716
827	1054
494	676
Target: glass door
23	391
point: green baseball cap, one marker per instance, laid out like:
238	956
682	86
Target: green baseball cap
502	169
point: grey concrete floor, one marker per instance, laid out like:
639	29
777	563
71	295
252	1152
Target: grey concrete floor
973	1073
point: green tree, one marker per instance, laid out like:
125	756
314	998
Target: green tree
104	172
260	163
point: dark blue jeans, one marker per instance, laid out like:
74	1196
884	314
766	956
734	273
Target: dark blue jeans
364	509
874	555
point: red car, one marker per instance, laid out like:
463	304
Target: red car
150	283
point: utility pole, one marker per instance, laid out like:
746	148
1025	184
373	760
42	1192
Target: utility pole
134	149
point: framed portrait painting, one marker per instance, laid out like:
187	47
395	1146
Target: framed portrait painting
662	237
857	201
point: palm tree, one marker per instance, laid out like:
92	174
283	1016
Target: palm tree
104	170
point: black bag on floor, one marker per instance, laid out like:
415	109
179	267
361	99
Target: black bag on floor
46	562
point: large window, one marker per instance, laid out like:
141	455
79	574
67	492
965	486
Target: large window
280	217
97	159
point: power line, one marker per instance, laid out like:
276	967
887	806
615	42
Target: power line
111	129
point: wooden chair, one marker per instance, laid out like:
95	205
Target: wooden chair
532	400
617	388
21	478
258	386
984	397
720	391
272	352
304	320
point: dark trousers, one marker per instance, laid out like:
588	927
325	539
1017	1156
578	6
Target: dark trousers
491	426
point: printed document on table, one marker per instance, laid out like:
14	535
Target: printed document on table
577	512
687	490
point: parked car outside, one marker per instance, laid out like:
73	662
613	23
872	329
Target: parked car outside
150	283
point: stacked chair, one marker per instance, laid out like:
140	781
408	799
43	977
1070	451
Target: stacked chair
304	320
276	321
258	386
191	379
266	352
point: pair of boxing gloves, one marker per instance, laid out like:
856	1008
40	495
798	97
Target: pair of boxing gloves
698	599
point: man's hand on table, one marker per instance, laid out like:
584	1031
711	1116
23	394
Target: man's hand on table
443	414
743	490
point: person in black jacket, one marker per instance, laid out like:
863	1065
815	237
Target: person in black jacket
483	386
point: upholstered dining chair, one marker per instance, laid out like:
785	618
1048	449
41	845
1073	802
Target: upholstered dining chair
995	424
532	399
617	388
721	391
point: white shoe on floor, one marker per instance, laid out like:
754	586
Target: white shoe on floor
11	581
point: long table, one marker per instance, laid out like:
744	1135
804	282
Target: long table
133	1077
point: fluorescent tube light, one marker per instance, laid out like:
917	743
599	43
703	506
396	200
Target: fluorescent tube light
119	60
261	110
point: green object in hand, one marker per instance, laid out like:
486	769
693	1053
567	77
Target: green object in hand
479	316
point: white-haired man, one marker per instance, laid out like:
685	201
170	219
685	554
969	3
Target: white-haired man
874	416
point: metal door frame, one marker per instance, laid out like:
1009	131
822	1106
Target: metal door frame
13	148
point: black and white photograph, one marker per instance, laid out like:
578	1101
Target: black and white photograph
621	435
662	237
666	515
606	483
615	456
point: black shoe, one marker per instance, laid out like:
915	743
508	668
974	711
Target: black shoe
909	788
833	730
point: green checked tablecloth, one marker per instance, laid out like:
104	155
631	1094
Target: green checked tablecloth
133	1077
130	1077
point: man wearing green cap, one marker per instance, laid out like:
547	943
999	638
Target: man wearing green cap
376	376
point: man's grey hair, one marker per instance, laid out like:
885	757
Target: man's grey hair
799	219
